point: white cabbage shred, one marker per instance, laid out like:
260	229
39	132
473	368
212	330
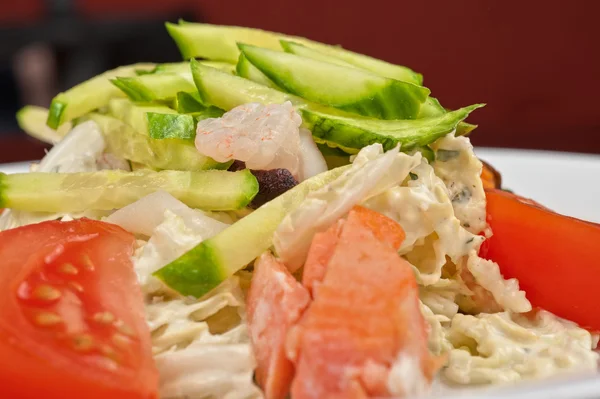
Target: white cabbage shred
201	346
78	151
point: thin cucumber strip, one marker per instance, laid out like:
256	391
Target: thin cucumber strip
32	120
184	67
218	42
154	87
156	121
191	103
357	133
88	96
214	260
347	88
432	108
113	189
175	154
309	52
246	69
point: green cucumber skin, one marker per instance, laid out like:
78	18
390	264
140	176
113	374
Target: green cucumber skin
358	133
218	42
88	96
372	95
309	52
246	69
175	154
171	126
154	87
154	120
191	103
432	108
212	261
113	189
228	91
195	281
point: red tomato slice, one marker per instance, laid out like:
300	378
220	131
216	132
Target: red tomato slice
554	257
72	314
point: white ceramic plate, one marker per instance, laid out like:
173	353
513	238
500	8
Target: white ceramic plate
565	182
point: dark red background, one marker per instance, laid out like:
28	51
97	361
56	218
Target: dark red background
535	63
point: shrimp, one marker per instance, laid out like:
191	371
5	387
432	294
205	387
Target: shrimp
263	136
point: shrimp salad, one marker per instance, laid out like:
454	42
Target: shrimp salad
276	218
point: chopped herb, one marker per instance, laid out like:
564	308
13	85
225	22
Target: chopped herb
446	155
462	196
466	225
470	240
413	176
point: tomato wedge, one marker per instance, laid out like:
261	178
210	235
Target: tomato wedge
72	314
554	257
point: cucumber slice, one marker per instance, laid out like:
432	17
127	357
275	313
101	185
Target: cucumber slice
156	121
358	133
175	154
218	42
154	87
245	69
347	88
212	261
432	107
308	52
33	119
184	68
191	103
374	65
227	91
113	189
88	96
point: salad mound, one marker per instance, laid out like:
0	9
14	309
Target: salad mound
276	217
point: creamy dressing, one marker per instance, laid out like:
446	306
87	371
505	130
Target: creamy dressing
460	170
504	347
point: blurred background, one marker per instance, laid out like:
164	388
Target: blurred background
535	63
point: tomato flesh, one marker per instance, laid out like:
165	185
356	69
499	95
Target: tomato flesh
554	257
72	321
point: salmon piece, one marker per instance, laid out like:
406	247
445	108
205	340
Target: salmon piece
385	229
323	244
364	320
319	254
275	301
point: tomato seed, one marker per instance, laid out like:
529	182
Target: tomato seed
87	263
120	340
75	286
47	319
68	268
109	352
124	328
83	342
104	317
46	293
